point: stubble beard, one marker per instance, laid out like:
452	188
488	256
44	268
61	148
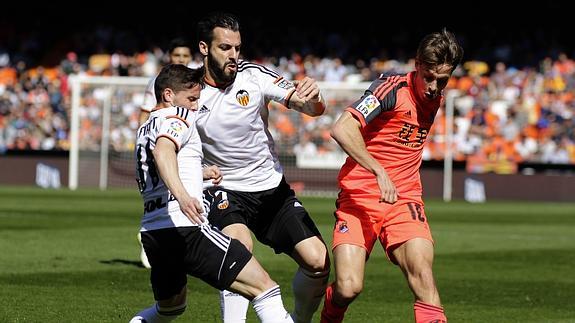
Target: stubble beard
218	73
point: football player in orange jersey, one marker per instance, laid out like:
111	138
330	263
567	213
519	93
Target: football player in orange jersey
381	195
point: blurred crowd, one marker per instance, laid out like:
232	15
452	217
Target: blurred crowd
503	114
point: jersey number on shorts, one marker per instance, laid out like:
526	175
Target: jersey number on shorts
416	212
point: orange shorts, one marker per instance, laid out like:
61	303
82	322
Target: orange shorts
360	221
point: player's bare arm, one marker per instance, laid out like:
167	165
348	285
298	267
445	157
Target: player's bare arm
346	131
166	160
307	98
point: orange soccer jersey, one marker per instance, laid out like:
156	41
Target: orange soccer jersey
394	127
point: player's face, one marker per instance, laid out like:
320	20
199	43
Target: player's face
187	98
431	80
181	55
223	55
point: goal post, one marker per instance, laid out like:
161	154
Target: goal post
100	105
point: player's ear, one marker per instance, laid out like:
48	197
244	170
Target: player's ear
168	95
203	48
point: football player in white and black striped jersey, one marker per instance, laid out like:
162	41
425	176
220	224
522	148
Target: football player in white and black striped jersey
179	52
176	235
233	125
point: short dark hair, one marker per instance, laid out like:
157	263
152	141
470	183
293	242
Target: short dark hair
207	25
440	48
178	78
179	42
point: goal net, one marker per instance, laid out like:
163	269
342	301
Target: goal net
103	126
104	121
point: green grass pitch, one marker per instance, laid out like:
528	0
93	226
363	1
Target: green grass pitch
73	257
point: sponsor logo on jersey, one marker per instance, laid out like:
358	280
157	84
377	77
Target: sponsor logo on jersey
243	97
204	109
342	227
297	204
368	104
154	204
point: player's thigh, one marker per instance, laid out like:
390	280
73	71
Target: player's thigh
241	232
212	256
311	254
404	222
290	225
349	261
414	255
358	222
166	252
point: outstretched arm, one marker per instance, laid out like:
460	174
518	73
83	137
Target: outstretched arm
166	160
346	131
307	98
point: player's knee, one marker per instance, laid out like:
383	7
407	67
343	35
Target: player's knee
241	233
316	260
348	289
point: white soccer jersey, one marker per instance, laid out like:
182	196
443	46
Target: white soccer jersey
233	126
161	210
150	96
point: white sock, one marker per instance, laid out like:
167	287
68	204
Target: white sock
233	306
154	315
270	308
308	289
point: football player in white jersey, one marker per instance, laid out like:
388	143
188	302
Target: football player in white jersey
177	237
232	123
179	52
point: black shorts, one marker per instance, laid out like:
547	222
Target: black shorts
203	252
275	216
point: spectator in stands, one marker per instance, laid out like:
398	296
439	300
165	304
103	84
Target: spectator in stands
179	52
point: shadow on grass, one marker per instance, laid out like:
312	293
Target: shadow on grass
122	262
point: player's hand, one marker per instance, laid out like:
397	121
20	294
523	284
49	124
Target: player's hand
387	188
193	209
307	89
214	173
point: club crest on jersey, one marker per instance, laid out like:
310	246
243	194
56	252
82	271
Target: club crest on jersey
342	227
223	204
243	97
368	104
